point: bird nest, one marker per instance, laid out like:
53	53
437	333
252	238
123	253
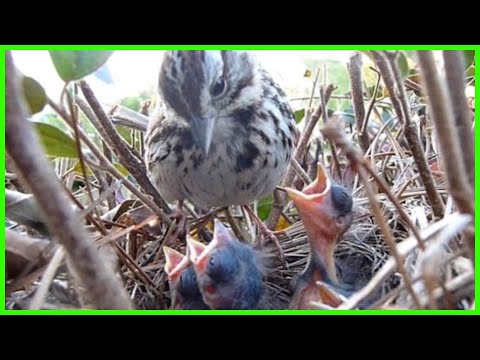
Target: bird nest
402	252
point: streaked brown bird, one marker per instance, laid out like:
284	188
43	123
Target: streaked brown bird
223	133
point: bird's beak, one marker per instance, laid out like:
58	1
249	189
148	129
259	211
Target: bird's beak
175	263
315	209
321	184
202	128
199	253
329	296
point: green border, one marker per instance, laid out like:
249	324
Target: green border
240	47
223	47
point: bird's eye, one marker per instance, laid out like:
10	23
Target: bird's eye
211	261
219	87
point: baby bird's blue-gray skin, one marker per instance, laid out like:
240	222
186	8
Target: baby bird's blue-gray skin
183	282
326	212
229	273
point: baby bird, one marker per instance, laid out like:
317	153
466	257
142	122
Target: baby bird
183	282
326	212
229	273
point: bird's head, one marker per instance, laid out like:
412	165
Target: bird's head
202	86
228	272
183	282
326	212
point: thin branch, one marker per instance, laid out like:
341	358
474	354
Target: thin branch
313	88
373	100
136	169
389	71
111	169
237	231
404	248
403	215
335	132
454	69
332	145
311	121
355	73
23	146
78	145
443	117
47	279
301	173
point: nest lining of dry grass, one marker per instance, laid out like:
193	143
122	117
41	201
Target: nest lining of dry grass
132	247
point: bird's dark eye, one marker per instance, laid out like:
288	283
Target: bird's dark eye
219	87
212	261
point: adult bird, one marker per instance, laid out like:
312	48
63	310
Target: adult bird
325	209
224	132
230	274
182	280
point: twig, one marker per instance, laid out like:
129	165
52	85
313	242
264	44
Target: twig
458	284
311	121
384	187
454	69
126	117
300	172
87	110
355	72
332	145
78	145
102	197
389	71
443	117
24	148
372	102
313	88
335	132
111	169
47	279
136	169
404	248
30	249
237	231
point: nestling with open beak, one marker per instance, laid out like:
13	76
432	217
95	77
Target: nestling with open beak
229	273
183	281
326	212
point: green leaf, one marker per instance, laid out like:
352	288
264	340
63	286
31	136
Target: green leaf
132	102
368	75
469	57
299	115
34	95
77	168
121	169
125	133
76	64
264	207
402	62
55	142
